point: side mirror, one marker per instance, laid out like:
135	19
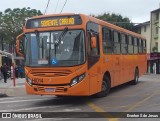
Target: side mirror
93	42
20	45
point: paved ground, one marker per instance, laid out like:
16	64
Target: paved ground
10	90
144	97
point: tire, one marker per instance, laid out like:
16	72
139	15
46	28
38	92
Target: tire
105	88
136	77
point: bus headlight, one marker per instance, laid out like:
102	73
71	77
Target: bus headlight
29	81
77	79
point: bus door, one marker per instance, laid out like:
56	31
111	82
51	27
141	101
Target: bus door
93	65
93	57
117	58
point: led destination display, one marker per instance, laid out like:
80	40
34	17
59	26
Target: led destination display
54	21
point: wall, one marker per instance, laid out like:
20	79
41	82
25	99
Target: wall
147	35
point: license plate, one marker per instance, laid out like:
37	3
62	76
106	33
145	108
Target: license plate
50	89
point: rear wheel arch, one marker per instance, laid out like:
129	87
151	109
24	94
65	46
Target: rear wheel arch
136	76
105	85
107	73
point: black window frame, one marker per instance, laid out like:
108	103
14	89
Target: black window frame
107	41
130	45
135	48
124	44
116	43
140	47
93	28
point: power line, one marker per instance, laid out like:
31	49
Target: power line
47	7
56	6
63	6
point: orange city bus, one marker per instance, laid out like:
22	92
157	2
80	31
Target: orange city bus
79	55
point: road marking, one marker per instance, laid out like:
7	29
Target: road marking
72	110
123	96
8	98
15	101
139	103
157	92
12	98
98	109
25	109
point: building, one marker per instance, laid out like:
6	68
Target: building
145	30
155	31
151	30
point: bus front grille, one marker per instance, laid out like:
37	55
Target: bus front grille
50	73
56	89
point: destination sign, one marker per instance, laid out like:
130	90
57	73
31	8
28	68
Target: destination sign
54	21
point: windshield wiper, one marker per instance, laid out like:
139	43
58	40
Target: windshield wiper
40	45
58	41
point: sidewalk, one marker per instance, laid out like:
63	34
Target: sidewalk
7	89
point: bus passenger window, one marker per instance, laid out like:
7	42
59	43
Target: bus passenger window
116	48
107	41
124	48
130	45
140	45
135	46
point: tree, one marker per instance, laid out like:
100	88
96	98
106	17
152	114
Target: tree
116	19
12	22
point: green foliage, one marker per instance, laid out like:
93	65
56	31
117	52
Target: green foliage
12	21
116	19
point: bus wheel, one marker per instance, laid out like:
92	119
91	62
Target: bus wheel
136	77
105	87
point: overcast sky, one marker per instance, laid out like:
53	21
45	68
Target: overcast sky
137	10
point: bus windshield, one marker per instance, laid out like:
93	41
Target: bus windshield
53	49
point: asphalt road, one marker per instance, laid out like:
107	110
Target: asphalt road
143	97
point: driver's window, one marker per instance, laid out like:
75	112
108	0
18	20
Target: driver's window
93	51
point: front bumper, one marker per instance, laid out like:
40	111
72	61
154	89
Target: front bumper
80	89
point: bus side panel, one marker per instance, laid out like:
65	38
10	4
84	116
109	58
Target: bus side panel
117	66
142	65
107	66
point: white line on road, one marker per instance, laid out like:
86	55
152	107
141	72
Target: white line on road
72	110
32	108
12	98
15	101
